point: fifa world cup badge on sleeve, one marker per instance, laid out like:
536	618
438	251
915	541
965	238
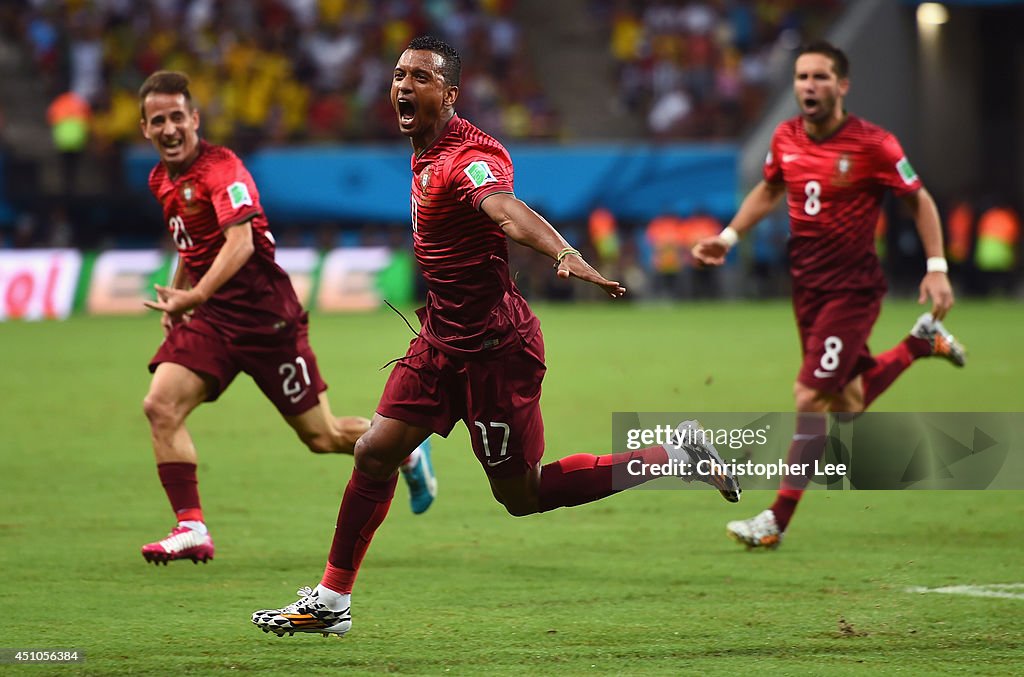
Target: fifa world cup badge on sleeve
239	194
907	172
479	173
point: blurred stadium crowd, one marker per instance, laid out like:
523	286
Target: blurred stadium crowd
279	71
287	71
704	69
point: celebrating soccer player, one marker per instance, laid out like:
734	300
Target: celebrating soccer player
229	309
479	356
834	169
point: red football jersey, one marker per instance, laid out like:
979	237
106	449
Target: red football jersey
834	189
472	304
215	192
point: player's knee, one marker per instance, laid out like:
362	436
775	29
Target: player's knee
371	460
160	412
363	451
809	399
849	404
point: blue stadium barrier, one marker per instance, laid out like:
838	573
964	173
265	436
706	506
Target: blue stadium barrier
371	183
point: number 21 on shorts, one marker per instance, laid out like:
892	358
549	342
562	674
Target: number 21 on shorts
296	378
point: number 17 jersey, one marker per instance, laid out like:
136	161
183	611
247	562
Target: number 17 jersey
834	189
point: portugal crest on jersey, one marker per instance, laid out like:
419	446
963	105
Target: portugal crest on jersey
844	171
188	197
424	182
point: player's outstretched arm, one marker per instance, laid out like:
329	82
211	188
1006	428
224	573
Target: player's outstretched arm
935	284
763	198
238	247
527	227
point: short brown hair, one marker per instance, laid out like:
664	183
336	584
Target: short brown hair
164	82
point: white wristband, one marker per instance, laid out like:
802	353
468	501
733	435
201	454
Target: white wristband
730	236
936	264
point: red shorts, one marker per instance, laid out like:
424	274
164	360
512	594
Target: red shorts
834	329
285	370
497	398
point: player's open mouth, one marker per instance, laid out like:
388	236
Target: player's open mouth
406	111
810	105
171	144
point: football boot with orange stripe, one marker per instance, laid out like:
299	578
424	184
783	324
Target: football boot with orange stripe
311	613
760	531
943	343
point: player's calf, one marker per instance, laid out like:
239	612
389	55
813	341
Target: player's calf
337	436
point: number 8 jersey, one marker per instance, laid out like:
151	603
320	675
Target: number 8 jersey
215	192
834	189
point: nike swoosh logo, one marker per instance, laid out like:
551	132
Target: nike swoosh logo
296	398
491	464
824	374
789	157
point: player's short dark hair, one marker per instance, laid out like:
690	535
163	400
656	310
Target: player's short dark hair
451	69
164	82
840	64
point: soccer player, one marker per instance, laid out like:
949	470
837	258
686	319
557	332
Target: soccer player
479	356
229	309
834	169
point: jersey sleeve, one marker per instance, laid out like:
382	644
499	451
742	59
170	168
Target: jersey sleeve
772	170
232	192
480	172
893	169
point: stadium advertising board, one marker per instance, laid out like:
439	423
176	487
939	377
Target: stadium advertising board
122	280
44	284
38	284
347	281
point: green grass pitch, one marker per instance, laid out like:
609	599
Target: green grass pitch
641	583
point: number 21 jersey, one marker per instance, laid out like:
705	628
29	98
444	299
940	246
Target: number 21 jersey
213	193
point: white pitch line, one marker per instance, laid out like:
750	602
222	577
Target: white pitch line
1000	590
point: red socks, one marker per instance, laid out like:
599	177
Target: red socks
182	488
582	478
784	506
363	508
808	446
890	364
